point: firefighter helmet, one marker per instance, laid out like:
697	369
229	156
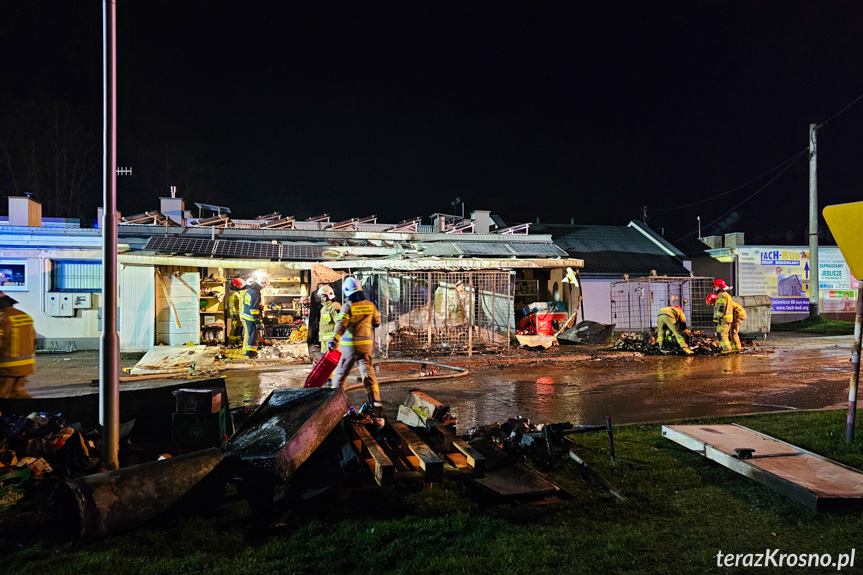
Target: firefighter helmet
720	284
711	299
326	293
677	307
238	283
351	286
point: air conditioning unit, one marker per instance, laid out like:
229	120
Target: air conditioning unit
60	304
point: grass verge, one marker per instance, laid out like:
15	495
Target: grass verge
816	325
681	510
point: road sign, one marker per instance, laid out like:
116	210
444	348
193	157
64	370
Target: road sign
846	225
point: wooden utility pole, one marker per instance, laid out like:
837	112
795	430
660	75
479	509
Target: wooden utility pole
813	222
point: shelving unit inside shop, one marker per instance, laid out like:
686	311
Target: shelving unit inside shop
286	304
212	309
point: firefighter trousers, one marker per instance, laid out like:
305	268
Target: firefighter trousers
666	329
734	335
12	387
363	360
723	329
250	337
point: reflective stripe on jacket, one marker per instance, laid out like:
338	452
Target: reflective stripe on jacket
329	316
355	323
17	343
676	315
235	302
251	304
723	309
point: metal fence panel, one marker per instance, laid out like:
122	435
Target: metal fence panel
635	303
445	312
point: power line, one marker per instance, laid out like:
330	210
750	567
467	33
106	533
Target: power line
714	196
842	111
773	169
773	179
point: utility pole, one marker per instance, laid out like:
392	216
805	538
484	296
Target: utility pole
109	341
813	222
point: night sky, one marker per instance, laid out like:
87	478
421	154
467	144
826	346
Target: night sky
529	109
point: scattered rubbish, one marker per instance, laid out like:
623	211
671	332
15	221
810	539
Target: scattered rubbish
588	332
811	479
646	343
287	428
119	500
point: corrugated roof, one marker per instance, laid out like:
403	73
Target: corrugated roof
614	250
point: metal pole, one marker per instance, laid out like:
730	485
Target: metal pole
855	368
610	437
431	310
813	223
109	342
470	305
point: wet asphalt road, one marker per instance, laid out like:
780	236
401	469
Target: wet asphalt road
800	373
806	373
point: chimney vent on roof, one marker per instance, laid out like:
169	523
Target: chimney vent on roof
712	242
734	239
25	211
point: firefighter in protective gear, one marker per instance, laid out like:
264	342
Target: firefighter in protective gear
738	314
330	310
354	333
251	315
235	307
723	314
671	321
17	349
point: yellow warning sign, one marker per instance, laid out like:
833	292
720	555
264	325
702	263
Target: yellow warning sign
846	224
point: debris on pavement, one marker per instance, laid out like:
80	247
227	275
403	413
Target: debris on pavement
646	343
588	332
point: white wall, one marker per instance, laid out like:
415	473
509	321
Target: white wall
137	308
82	328
597	300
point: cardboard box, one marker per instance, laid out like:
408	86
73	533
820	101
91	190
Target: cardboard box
198	400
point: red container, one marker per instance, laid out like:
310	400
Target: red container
543	324
323	369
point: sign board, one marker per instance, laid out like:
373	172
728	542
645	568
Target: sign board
846	223
784	273
780	272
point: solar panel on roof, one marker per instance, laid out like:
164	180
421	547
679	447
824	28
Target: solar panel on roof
439	249
536	250
484	248
226	248
180	246
302	252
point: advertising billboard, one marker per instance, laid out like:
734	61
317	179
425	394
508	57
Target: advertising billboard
784	273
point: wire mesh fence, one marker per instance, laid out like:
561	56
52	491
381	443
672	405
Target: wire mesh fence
635	303
445	312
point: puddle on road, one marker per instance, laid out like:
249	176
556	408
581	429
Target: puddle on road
642	389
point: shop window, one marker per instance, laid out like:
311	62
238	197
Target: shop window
77	276
13	275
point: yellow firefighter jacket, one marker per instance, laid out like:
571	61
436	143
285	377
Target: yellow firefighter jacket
723	310
677	316
355	323
17	343
738	312
329	316
235	303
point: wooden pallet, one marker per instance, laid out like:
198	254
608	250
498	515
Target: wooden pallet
397	454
